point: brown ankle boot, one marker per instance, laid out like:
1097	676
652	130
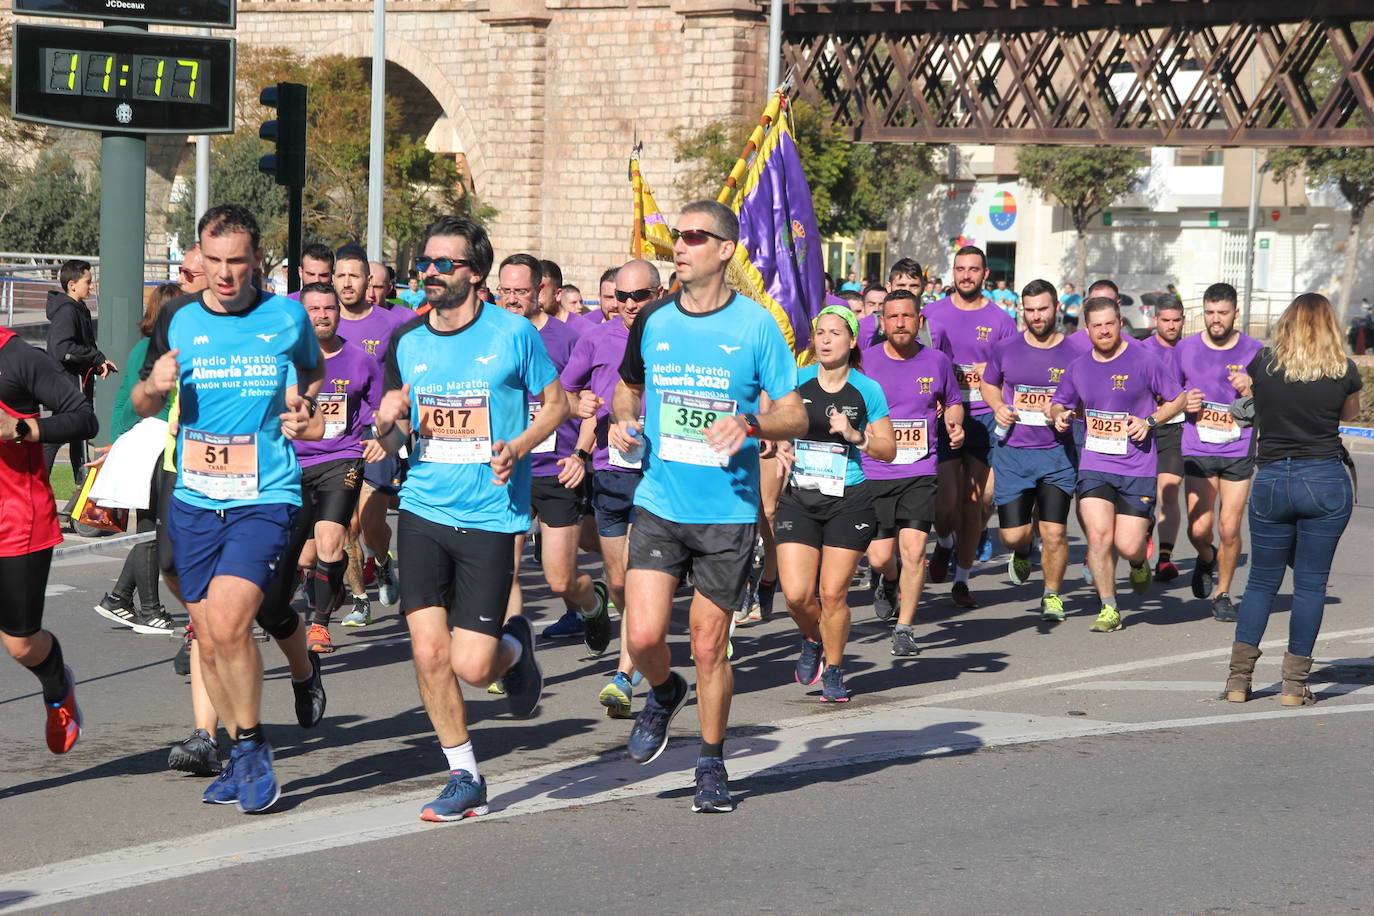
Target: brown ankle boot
1243	658
1295	671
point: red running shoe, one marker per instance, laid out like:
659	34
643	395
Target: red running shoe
64	719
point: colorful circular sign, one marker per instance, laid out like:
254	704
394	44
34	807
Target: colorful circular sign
1002	211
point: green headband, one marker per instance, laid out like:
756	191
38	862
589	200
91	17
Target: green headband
843	312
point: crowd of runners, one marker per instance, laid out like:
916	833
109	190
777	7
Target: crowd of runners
678	438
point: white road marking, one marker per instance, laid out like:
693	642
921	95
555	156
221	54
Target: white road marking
1206	688
52	591
893	731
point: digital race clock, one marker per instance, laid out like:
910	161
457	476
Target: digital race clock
135	81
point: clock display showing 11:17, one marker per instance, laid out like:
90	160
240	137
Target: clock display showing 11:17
139	76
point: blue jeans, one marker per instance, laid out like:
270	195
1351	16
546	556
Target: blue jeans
1298	509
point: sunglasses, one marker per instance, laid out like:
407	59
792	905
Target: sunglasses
443	265
638	295
695	236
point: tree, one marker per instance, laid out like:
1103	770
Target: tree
1084	180
1351	169
854	186
234	178
53	208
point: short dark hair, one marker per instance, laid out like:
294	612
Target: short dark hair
352	252
1168	303
522	259
608	275
390	274
320	287
72	271
1040	287
1107	283
228	218
906	267
849	295
973	249
1220	292
571	287
901	295
479	255
552	272
1098	303
320	252
726	222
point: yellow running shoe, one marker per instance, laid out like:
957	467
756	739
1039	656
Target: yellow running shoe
1140	578
1108	620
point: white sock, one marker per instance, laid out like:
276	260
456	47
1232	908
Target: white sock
462	758
515	647
961	574
947	541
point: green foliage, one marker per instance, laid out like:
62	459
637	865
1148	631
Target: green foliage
52	208
853	185
234	178
1084	180
1349	168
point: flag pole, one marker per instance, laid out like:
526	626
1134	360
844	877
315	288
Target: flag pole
770	115
637	189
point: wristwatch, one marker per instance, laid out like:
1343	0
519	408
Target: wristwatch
751	424
582	454
1151	422
311	405
21	429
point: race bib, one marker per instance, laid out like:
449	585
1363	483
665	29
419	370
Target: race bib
912	443
820	466
1106	432
682	423
334	408
1032	404
1216	425
454	429
970	380
546	446
220	467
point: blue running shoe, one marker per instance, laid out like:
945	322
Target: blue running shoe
616	696
462	797
524	681
713	795
832	686
649	735
569	626
258	789
225	788
985	546
809	663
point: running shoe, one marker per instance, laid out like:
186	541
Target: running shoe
462	797
388	590
985	546
1204	579
713	795
832	686
649	736
766	592
808	663
369	572
224	790
617	695
1223	609
938	568
319	640
308	589
885	599
116	609
361	615
64	718
258	789
523	681
310	698
181	663
154	623
1018	568
569	626
1140	577
1108	620
596	629
1087	573
495	689
1051	607
1166	571
196	755
904	642
742	616
959	594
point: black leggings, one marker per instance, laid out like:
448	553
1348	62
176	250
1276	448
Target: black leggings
25	580
141	565
1052	503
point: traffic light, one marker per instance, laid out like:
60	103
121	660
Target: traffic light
287	164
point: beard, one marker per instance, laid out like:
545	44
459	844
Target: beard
451	296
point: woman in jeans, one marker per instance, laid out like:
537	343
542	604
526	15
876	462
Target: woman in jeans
1303	386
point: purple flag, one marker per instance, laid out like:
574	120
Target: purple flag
780	244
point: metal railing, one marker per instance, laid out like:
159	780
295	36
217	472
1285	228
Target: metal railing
26	278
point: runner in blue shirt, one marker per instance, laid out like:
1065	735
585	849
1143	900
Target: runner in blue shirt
461	377
695	366
229	352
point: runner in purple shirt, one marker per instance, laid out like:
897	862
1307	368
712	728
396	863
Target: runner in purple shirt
965	325
922	397
559	490
1168	441
1033	463
593	372
1218	454
1118	386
